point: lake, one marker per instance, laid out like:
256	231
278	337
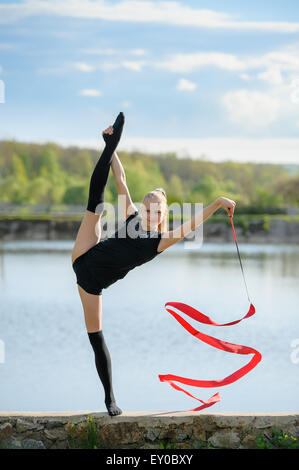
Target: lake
47	363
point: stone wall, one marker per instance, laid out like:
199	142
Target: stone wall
144	430
277	230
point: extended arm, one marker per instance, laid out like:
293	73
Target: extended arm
174	236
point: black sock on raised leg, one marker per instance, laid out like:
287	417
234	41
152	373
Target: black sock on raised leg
114	138
100	173
104	368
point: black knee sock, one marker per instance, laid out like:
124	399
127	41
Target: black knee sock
100	173
103	365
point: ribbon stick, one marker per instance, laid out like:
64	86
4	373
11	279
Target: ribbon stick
216	343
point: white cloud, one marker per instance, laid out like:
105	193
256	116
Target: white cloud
279	69
108	66
272	75
164	12
6	46
90	92
109	51
251	107
131	65
245	76
98	51
284	59
135	66
138	52
83	67
126	104
294	90
186	85
189	62
273	67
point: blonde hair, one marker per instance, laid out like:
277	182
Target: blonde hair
162	227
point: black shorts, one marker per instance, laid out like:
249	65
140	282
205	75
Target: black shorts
84	278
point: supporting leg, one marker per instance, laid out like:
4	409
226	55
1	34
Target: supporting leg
104	368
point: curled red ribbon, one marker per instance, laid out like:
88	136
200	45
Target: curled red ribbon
216	343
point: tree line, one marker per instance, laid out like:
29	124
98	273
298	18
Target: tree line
32	173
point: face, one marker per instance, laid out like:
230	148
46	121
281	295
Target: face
152	212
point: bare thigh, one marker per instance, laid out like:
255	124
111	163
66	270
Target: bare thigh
89	234
92	306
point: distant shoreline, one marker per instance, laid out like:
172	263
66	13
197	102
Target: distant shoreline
249	229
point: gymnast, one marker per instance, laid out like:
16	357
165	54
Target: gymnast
99	263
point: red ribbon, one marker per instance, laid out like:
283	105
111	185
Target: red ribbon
216	343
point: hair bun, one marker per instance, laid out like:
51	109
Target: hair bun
162	191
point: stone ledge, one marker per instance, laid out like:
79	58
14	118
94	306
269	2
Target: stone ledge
126	414
142	429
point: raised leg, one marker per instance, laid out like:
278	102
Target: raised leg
89	232
100	174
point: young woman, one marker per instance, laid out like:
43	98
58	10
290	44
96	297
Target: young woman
99	263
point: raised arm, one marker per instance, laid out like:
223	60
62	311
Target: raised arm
122	188
120	181
173	236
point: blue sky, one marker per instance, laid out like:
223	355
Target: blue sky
213	78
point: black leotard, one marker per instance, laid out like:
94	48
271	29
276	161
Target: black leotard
112	258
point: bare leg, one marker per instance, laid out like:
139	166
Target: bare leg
89	234
92	306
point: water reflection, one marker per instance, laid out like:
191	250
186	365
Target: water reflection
49	364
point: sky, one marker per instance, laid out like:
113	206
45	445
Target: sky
207	79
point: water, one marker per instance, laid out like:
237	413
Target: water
48	363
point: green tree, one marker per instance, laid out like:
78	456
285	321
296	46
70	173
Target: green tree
76	194
175	190
13	187
264	198
39	191
207	189
81	164
50	174
19	170
12	191
288	188
48	163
